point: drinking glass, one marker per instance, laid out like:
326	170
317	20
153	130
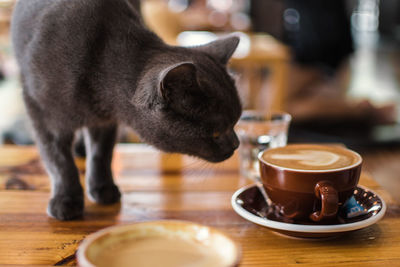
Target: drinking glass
258	131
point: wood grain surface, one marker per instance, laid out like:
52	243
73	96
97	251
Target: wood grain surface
158	186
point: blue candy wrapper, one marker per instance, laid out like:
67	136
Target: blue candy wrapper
353	209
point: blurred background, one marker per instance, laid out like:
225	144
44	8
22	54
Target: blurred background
334	65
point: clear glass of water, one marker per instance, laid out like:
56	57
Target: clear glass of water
258	131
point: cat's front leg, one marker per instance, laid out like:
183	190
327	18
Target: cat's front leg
99	150
67	200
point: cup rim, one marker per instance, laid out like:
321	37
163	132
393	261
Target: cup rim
358	163
286	117
93	237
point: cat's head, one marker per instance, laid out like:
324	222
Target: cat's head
193	105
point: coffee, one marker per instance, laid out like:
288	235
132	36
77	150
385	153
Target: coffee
311	157
160	251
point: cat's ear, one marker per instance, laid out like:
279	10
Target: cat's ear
221	49
177	77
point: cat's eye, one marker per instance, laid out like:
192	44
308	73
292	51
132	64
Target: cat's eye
216	134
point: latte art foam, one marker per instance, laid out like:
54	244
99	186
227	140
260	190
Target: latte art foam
311	157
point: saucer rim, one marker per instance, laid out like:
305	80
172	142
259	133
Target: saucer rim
302	228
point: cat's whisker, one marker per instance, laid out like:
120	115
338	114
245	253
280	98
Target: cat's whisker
192	164
195	168
203	167
205	173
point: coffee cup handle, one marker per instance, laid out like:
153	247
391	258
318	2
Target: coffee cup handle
330	201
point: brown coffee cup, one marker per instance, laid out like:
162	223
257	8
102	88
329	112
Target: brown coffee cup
307	181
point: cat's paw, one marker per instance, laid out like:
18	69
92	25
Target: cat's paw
105	194
66	208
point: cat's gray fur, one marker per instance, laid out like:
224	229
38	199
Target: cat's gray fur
92	64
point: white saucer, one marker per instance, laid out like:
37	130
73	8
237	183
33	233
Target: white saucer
246	202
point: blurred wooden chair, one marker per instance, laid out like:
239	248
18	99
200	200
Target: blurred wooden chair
162	20
268	94
6	7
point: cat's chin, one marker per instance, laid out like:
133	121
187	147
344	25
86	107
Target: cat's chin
219	158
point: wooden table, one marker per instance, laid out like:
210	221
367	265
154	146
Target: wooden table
158	186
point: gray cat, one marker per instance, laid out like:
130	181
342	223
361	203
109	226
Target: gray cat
91	65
